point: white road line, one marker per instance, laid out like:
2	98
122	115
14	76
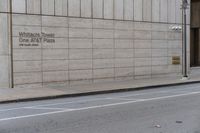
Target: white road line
42	105
11	109
119	98
44	108
139	94
157	92
99	106
34	115
62	103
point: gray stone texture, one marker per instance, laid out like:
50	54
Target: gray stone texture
118	9
138	10
61	7
86	8
4	71
33	6
4	51
95	40
163	10
147	11
74	8
178	11
156	10
167	11
4	6
19	6
97	6
171	11
108	9
128	9
94	50
48	7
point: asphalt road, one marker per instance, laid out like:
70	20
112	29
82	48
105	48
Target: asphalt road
161	110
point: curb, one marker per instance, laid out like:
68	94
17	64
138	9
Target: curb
96	92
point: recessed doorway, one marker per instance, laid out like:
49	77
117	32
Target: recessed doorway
195	34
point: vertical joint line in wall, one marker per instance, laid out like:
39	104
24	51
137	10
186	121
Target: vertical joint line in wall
103	9
123	10
159	11
40	7
80	14
133	52
176	5
11	48
168	20
26	6
142	10
167	12
151	59
92	9
114	49
42	55
54	7
133	10
92	50
68	59
168	50
151	52
113	10
67	9
152	11
113	14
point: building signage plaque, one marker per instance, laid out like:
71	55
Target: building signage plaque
35	39
176	60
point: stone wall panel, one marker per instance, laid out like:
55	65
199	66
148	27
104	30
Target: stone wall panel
48	7
33	6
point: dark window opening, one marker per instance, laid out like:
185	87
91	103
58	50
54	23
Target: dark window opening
195	34
194	48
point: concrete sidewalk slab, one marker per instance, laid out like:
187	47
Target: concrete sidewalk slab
48	92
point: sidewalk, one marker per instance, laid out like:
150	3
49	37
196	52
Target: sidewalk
27	94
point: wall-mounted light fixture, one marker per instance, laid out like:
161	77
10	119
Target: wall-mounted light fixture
176	28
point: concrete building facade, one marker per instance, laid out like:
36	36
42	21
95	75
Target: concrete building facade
46	42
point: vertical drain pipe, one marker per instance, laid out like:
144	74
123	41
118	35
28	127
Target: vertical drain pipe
185	44
184	8
11	46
